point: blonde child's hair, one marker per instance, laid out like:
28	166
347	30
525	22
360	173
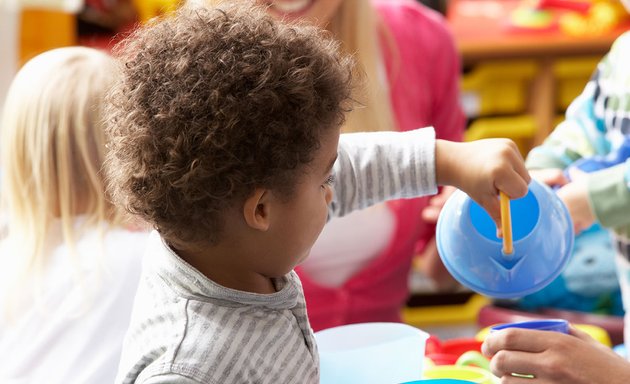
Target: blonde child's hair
51	150
357	26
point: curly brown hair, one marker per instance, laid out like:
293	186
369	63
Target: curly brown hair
213	103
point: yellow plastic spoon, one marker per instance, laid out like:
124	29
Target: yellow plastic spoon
506	224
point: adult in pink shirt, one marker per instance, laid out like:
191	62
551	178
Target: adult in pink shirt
359	268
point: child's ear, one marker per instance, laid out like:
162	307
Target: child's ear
256	209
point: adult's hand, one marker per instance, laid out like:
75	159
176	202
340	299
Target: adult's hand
553	358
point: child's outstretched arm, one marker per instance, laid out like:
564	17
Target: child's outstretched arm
380	166
481	169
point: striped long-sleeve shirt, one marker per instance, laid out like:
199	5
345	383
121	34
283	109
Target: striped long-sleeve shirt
187	329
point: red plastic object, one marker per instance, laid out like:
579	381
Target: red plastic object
446	352
433	345
571	5
461	345
443	358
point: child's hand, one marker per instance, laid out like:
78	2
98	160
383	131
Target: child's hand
481	169
575	196
550	176
432	211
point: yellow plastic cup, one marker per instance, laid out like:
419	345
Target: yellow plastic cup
472	374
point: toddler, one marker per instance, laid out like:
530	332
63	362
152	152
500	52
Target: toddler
226	138
69	265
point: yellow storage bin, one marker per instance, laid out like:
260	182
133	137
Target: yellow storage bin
497	87
148	9
521	129
447	321
571	76
445	314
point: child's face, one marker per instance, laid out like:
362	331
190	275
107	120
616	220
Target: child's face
317	12
299	221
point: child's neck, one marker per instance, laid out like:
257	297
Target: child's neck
218	263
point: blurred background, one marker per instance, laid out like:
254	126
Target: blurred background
523	63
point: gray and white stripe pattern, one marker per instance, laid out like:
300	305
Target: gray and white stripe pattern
379	166
187	329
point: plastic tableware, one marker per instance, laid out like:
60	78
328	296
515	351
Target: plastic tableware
556	325
474	359
447	352
440	381
459	345
471	374
596	332
506	224
542	238
621	350
371	353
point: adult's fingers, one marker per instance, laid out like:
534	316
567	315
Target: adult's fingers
517	380
580	334
505	363
517	339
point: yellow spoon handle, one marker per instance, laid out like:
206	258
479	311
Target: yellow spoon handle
506	224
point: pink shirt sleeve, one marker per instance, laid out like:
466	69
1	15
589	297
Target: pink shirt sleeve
423	67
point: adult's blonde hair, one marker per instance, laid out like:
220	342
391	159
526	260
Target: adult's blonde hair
357	26
51	150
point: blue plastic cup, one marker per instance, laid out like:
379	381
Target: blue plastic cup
555	325
542	234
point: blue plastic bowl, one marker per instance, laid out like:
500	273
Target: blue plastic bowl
542	234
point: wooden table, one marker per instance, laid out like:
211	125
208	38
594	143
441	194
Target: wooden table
482	32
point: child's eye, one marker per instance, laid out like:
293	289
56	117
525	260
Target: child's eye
330	180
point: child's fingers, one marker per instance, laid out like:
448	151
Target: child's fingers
519	166
513	184
493	208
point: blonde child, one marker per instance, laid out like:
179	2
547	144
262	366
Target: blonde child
69	270
226	137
